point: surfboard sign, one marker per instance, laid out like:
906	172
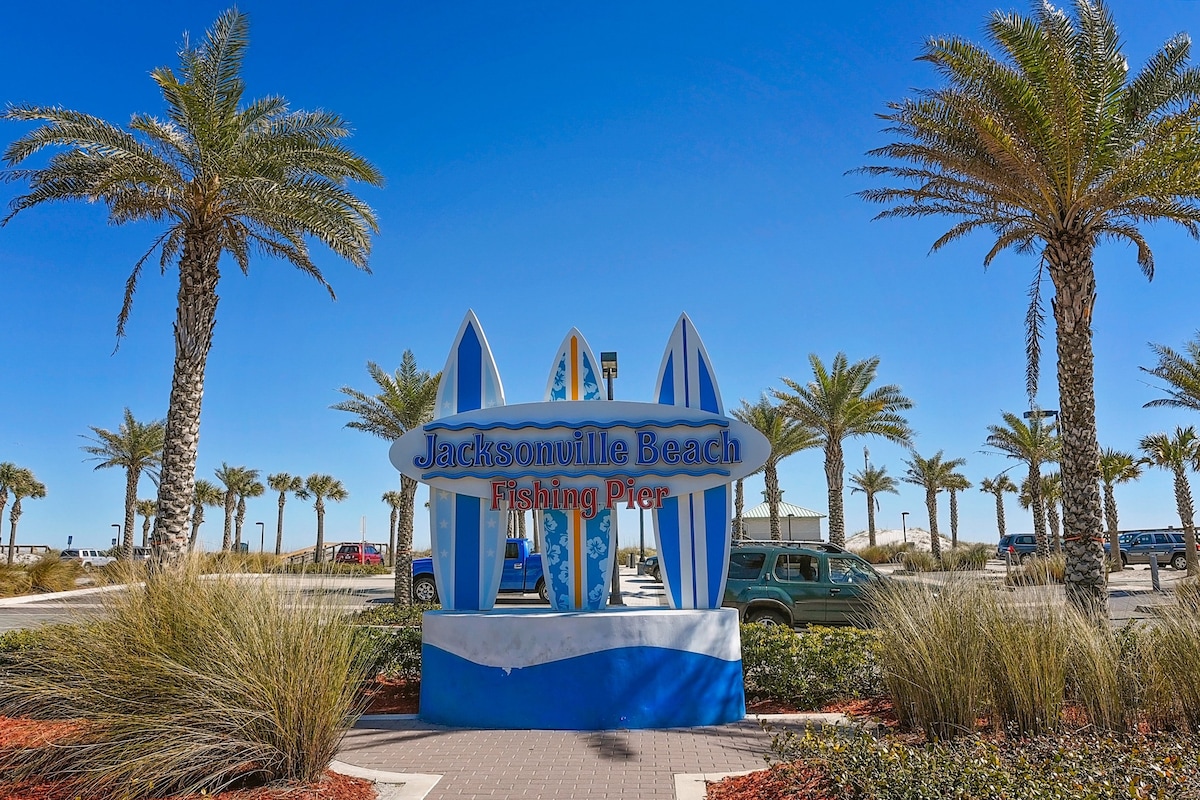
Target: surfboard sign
693	530
466	534
577	553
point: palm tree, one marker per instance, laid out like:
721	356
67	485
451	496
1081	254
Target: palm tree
1052	146
1178	453
251	487
1181	372
955	482
24	486
837	404
1052	494
136	447
739	503
323	487
1116	467
1033	442
233	479
283	483
404	401
10	475
997	486
394	500
872	482
225	176
786	437
147	509
932	473
204	494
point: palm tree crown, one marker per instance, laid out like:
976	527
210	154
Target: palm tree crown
1178	454
1116	467
786	437
235	480
284	483
1052	145
137	448
224	175
872	481
23	485
997	486
204	494
322	488
1035	443
839	403
1181	373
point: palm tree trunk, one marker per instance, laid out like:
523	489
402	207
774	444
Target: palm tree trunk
771	479
227	541
1071	270
391	562
1183	500
404	539
953	518
319	550
935	541
195	316
131	486
12	544
279	524
1039	511
146	532
739	502
1110	518
1000	526
835	468
197	520
240	521
13	516
1052	526
871	518
521	524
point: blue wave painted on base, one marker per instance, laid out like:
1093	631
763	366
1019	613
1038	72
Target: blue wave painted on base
621	688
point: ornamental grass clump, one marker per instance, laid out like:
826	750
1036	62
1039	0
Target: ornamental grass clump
189	683
13	581
932	653
1172	654
51	574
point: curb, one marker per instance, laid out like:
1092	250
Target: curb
50	597
694	785
390	785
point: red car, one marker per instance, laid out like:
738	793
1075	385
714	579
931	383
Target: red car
358	554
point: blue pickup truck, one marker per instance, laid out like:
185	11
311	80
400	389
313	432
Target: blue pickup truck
522	573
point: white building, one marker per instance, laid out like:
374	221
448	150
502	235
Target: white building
795	523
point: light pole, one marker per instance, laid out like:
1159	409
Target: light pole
608	369
904	525
261	535
1041	412
789	527
117	525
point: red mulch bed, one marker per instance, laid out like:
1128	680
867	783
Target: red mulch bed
791	782
15	732
881	708
393	696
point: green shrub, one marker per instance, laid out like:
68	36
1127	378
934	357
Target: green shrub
884	553
967	557
1087	767
50	574
191	683
809	668
332	569
389	614
14	580
394	651
919	561
1039	571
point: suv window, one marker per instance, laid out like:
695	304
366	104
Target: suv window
1143	540
745	566
795	567
847	570
1025	540
370	550
1162	538
348	548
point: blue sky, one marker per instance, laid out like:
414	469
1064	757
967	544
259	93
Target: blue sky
605	166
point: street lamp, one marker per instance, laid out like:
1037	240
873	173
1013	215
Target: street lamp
608	370
261	535
117	525
1041	412
904	525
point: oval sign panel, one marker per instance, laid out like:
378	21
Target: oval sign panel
579	455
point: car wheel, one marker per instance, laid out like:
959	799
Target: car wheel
1124	561
425	590
1024	559
767	616
1179	562
656	574
542	591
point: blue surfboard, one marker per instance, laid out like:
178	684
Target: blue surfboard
467	537
693	530
577	553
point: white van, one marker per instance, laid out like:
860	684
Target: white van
88	558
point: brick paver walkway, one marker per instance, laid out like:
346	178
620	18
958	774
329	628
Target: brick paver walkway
554	764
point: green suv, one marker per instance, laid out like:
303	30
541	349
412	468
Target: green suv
809	583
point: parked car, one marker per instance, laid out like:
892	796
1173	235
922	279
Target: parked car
1021	546
85	557
358	554
141	553
652	568
799	584
1136	548
522	573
